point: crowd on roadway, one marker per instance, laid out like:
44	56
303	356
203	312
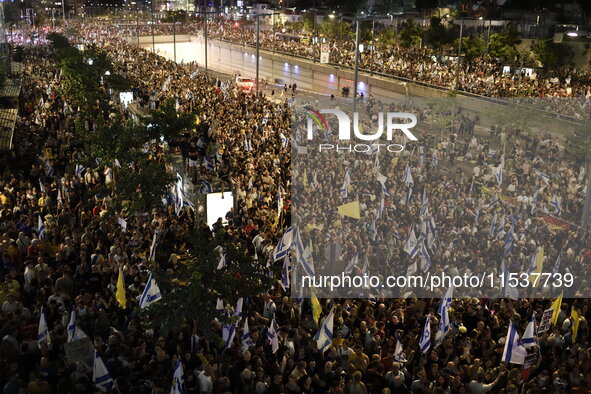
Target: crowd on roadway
238	144
482	76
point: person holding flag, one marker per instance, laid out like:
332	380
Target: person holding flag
100	375
178	379
324	335
425	339
151	293
120	292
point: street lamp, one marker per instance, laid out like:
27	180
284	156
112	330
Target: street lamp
459	55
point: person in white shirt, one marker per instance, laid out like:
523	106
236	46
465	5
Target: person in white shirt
477	387
205	380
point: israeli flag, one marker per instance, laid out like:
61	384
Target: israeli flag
285	274
398	350
324	335
493	226
407	178
425	340
247	145
40	228
74	332
273	336
534	200
352	264
556	267
43	336
302	254
425	259
228	334
209	165
100	375
178	379
434	159
533	262
499	171
381	207
346	184
284	141
41	187
411	245
431	233
152	256
79	170
222	262
443	311
509	242
508	291
151	293
514	351
494	201
247	341
529	336
382	179
284	245
556	204
48	168
545	178
205	187
406	199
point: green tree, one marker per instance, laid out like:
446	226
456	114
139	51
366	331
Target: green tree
334	28
141	184
190	293
83	75
386	37
550	54
308	21
472	47
410	34
437	35
503	45
167	124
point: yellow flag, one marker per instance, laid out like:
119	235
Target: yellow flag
537	279
120	294
305	178
556	305
350	209
574	315
316	308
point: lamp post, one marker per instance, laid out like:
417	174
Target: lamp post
205	32
153	41
459	55
258	45
174	35
356	75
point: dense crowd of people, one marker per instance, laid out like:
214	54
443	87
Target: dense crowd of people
238	143
483	75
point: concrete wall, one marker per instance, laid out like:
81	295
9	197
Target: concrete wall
309	75
147	40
